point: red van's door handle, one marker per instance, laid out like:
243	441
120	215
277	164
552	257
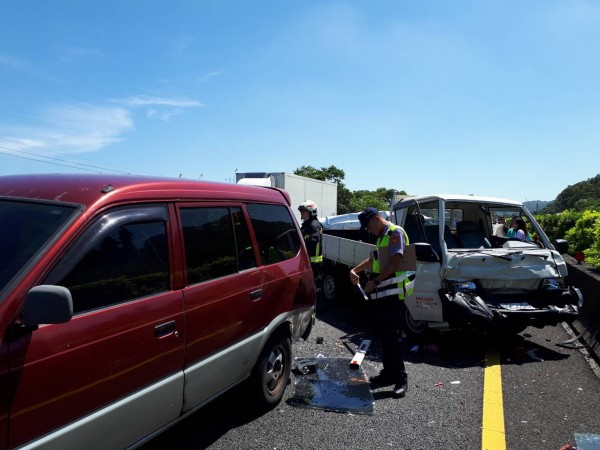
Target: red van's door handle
164	328
255	295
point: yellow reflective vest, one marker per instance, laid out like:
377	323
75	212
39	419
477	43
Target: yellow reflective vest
400	283
318	258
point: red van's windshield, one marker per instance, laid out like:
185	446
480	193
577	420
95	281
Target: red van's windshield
25	227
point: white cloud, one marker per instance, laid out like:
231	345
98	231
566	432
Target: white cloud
69	53
182	43
81	128
146	100
162	108
14	63
209	75
17	143
165	116
75	128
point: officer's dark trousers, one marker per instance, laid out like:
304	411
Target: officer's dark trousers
388	323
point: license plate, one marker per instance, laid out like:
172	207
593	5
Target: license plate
516	306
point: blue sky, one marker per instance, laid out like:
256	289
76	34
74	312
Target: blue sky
497	98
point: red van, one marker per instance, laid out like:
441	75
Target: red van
127	303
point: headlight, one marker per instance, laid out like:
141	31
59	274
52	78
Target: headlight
550	284
462	286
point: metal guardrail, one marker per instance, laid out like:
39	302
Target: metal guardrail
588	322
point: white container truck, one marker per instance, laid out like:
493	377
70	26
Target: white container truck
469	273
323	193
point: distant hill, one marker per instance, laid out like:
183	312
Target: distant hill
579	196
536	205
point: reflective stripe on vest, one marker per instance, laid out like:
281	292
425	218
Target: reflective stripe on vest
318	258
400	284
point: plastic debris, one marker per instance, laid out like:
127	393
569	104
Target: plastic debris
455	382
333	387
439	384
303	366
531	353
414	349
319	340
586	441
358	357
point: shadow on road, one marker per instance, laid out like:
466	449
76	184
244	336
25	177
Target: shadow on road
210	423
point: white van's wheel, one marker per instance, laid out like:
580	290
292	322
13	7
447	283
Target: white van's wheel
272	372
414	329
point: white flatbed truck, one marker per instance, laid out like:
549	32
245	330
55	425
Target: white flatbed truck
467	276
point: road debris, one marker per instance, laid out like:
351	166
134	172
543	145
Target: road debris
532	354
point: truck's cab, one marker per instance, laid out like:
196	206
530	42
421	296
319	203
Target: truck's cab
470	273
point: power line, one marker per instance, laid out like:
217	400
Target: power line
83	159
72	164
47	162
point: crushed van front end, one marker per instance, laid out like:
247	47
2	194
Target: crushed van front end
486	291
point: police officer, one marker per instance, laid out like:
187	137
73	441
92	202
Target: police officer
388	288
312	231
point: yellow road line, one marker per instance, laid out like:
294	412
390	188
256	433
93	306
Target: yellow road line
493	436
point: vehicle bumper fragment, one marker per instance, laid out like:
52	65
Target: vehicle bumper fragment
497	311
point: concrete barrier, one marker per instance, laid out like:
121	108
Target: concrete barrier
588	322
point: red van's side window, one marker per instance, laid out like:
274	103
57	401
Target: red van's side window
130	262
217	242
122	256
275	232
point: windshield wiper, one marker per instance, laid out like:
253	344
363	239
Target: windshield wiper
506	258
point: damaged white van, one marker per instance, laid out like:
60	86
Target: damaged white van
470	273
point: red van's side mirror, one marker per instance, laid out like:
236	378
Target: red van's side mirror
47	304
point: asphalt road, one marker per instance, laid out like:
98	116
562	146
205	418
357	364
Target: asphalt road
549	393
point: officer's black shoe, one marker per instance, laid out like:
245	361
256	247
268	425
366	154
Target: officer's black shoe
382	378
400	389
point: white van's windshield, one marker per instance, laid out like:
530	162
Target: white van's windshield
25	227
469	224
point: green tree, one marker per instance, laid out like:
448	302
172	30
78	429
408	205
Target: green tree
330	173
556	226
579	196
334	175
380	199
582	236
348	201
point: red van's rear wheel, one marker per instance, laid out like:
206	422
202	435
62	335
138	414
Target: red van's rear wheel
272	372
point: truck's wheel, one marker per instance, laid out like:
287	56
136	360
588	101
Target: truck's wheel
414	329
330	286
272	371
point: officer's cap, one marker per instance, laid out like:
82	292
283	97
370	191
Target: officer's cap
366	215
